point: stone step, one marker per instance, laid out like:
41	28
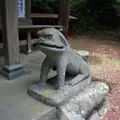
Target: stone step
16	104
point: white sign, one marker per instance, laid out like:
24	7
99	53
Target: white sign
21	8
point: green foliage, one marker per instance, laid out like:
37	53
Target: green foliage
84	24
86	20
78	1
90	13
94	13
46	6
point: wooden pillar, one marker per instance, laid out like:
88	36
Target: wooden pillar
64	15
28	42
9	15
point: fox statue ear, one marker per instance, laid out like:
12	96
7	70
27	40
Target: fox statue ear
63	39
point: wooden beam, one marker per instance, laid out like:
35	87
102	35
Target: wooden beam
22	42
37	27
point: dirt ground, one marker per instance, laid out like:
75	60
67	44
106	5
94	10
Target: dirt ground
104	49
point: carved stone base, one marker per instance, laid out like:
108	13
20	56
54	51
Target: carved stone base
12	72
85	104
50	96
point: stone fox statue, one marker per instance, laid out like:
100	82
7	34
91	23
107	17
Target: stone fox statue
61	57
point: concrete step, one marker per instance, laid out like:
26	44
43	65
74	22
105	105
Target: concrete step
16	104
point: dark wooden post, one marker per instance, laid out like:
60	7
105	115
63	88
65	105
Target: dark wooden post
29	42
64	15
9	15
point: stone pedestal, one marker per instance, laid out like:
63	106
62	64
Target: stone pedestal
12	72
49	95
80	102
82	105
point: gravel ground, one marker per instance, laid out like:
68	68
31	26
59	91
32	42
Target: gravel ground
104	49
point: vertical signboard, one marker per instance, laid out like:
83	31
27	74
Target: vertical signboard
21	8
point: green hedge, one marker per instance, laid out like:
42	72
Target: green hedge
90	13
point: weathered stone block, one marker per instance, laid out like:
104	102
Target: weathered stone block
63	114
94	116
85	101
